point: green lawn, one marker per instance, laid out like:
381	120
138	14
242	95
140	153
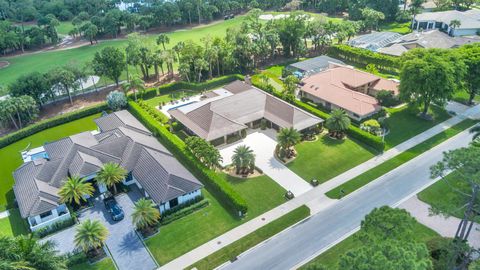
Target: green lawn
442	196
326	158
401	28
236	248
105	264
463	97
400	159
331	257
11	159
14	224
175	95
183	235
403	124
64	28
45	61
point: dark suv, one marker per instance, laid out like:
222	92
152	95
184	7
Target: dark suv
114	208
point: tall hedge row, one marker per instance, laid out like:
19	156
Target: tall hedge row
51	122
215	183
167	88
363	57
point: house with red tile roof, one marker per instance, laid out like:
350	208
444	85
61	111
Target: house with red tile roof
347	88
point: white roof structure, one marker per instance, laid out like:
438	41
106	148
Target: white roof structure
469	19
374	40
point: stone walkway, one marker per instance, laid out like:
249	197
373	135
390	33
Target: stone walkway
314	198
263	143
445	226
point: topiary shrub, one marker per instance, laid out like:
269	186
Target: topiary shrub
116	100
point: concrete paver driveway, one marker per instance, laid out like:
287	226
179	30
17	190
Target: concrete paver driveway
263	143
126	247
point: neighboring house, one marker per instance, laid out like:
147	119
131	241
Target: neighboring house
121	139
223	118
469	22
348	89
313	65
426	39
374	40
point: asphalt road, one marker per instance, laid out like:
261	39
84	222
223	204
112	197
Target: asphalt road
293	246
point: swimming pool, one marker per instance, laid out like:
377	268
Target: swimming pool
39	155
181	105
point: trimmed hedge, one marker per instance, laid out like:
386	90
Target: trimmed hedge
52	122
183	212
158	115
216	184
167	88
363	57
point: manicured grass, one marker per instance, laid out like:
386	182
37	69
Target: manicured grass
175	95
64	28
401	28
463	97
183	235
331	257
236	248
14	224
11	158
442	196
105	264
326	158
403	124
400	159
45	61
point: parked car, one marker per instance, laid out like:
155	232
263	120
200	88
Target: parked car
114	208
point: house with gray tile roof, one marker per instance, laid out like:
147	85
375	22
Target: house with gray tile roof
122	139
469	22
218	119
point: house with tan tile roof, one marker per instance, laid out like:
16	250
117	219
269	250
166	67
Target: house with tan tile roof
348	89
218	119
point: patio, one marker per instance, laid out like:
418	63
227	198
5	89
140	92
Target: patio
263	143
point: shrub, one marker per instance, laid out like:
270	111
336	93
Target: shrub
184	212
52	122
55	227
76	258
263	124
216	184
179	207
158	115
116	100
387	98
373	141
372	126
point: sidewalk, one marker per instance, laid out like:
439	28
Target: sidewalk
315	198
445	226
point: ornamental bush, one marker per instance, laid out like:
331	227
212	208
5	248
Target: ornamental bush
116	100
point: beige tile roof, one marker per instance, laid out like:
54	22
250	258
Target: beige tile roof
230	114
333	86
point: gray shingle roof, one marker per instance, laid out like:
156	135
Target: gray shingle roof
153	166
224	116
120	119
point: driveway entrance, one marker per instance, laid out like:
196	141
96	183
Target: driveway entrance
263	143
125	246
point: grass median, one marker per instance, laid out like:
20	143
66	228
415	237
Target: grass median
236	248
400	159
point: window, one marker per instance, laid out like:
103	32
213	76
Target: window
46	214
173	202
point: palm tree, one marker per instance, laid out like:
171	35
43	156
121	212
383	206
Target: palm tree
476	134
135	84
162	39
145	214
90	235
454	24
26	252
244	159
337	123
111	174
74	189
287	138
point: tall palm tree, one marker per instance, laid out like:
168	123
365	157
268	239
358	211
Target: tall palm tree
111	174
244	159
26	252
287	138
90	235
337	123
145	214
162	39
74	189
